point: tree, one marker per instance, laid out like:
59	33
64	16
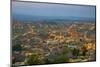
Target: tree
58	58
35	59
16	47
75	52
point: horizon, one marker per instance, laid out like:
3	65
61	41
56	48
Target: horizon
55	11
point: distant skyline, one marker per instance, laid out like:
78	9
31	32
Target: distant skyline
52	10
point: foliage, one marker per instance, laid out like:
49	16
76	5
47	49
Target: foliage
35	59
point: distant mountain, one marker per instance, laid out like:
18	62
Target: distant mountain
49	18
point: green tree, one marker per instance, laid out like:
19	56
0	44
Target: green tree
59	58
35	59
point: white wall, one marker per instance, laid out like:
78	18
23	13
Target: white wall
5	33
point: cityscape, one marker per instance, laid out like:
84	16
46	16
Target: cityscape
45	39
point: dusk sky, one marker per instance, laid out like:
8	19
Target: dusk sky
56	10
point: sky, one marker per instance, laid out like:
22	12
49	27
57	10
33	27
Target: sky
52	10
